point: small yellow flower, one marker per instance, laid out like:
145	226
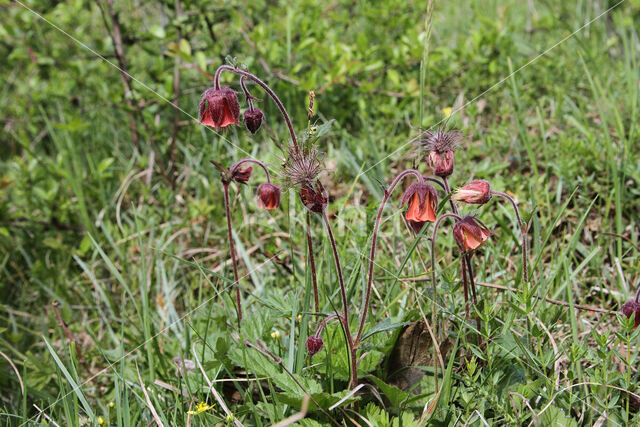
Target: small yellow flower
447	111
100	420
200	408
111	404
299	318
230	419
275	335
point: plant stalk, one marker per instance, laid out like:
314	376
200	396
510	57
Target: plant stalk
232	251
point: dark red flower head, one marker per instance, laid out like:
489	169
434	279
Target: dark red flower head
219	107
478	192
268	196
240	175
469	233
253	119
630	308
314	344
423	202
442	164
314	197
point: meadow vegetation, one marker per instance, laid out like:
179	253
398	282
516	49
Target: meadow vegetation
120	298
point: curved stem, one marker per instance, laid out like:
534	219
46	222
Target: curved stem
434	288
312	263
257	162
343	294
247	95
232	251
374	239
435	181
637	294
523	231
269	92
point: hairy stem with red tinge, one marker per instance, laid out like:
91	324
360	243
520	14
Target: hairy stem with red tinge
374	239
254	161
463	273
343	294
232	251
466	257
269	92
523	231
637	294
434	288
312	264
247	95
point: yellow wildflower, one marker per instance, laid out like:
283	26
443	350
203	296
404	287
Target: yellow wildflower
447	111
200	408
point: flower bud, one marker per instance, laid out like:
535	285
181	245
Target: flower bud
315	197
422	201
630	308
477	192
268	196
442	163
253	119
314	345
469	233
219	107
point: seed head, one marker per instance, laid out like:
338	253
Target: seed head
301	168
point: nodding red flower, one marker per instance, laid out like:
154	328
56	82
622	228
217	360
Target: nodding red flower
241	175
219	107
442	164
253	119
469	233
268	196
630	308
314	197
423	201
314	344
477	192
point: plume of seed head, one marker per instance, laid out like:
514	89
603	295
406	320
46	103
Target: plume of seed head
301	167
440	141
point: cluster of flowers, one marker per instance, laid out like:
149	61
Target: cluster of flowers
300	170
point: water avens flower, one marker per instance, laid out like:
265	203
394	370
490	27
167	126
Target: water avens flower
253	119
632	308
476	192
219	107
239	174
314	344
440	147
268	196
422	200
469	233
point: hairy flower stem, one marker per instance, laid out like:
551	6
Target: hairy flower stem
232	251
637	294
247	94
374	239
343	294
523	231
254	161
269	92
312	264
434	288
466	257
463	273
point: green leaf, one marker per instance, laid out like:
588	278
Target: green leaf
385	325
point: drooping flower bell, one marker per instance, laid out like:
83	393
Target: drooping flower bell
422	201
631	308
253	119
476	192
314	344
314	197
219	107
268	196
469	233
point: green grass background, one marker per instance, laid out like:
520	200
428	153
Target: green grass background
104	228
